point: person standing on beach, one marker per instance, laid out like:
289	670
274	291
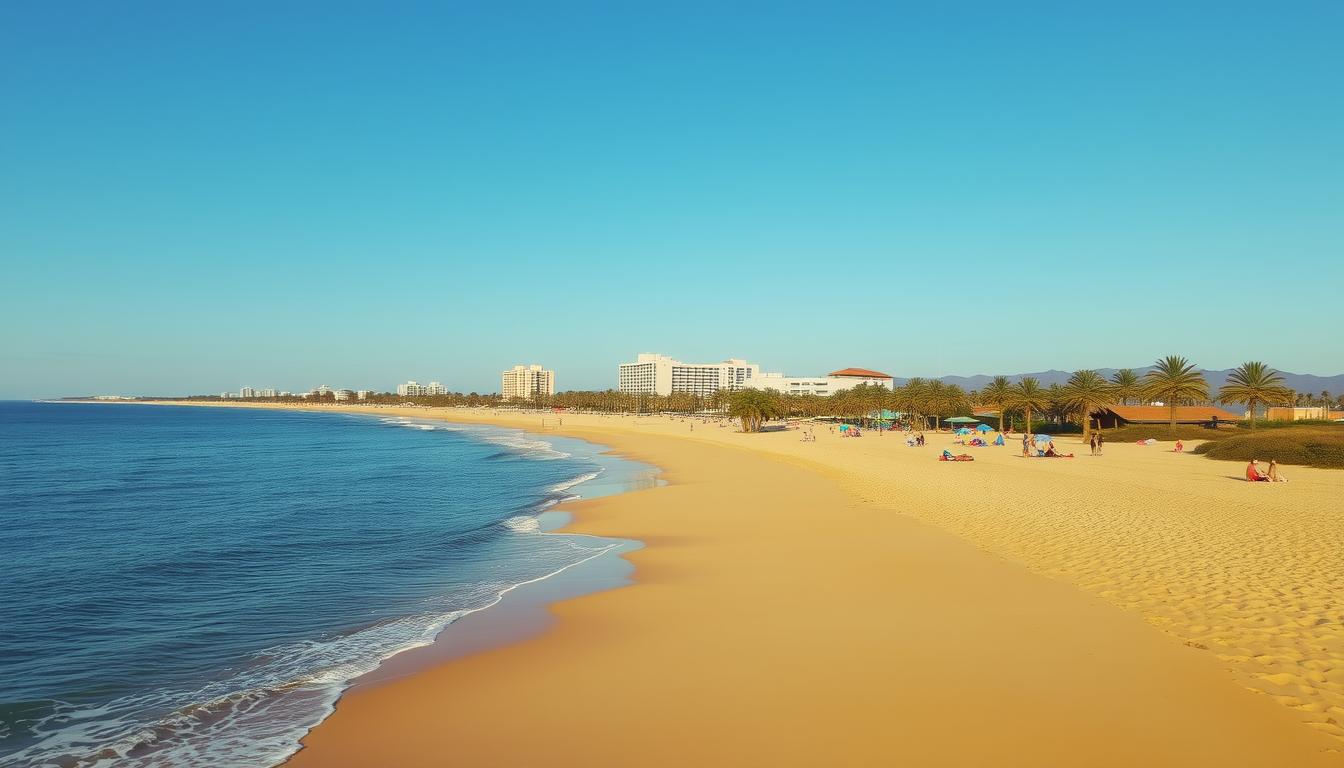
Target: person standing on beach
1093	443
1026	446
1100	441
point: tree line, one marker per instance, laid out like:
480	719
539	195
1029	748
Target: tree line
921	403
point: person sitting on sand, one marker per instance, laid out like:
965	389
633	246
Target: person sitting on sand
1180	447
1274	476
1253	473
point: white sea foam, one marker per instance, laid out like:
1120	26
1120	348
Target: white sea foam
257	716
514	441
566	485
523	524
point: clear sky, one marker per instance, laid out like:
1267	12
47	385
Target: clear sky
196	197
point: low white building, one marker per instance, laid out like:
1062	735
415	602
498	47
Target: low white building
835	381
654	374
342	394
363	394
414	389
526	381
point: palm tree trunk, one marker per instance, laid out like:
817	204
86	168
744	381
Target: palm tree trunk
1000	418
1173	414
1251	405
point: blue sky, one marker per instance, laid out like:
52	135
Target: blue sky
195	198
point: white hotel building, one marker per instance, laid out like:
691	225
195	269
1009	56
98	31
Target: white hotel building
414	389
523	382
835	381
653	374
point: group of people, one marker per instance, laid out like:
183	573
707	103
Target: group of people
914	440
1029	450
1254	475
1096	442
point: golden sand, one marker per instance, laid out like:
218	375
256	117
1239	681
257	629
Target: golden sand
807	603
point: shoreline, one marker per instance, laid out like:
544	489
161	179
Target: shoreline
972	657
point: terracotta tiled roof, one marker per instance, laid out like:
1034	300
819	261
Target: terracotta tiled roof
1157	413
862	373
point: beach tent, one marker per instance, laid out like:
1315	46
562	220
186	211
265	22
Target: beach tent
1044	438
963	431
961	420
985	428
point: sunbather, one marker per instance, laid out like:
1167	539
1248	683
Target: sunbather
1274	476
1253	473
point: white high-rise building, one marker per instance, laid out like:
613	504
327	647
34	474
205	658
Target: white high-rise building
654	374
247	392
526	381
267	393
363	394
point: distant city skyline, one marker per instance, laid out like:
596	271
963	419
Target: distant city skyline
197	198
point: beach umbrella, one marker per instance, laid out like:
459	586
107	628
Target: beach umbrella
1044	438
963	431
961	420
985	428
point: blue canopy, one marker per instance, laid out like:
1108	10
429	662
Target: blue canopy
985	428
963	431
1044	438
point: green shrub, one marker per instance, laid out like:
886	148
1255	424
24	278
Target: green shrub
1309	446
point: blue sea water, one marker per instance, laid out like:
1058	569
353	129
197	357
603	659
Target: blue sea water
195	586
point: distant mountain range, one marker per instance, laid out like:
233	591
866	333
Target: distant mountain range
1301	382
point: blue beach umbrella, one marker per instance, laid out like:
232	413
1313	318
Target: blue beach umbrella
984	428
963	431
1044	438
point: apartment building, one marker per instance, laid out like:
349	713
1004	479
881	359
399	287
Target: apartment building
526	382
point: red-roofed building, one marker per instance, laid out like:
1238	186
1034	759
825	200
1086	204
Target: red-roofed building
1119	415
859	373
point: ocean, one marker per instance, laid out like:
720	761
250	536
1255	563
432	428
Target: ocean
196	586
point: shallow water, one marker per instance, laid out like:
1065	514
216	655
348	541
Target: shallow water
197	585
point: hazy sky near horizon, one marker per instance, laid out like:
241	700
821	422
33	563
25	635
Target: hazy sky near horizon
196	197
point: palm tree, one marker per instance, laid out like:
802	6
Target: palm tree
1125	384
753	407
997	393
911	399
1085	392
1172	380
941	398
1254	383
1057	410
1028	396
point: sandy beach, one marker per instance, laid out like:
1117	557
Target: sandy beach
856	602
